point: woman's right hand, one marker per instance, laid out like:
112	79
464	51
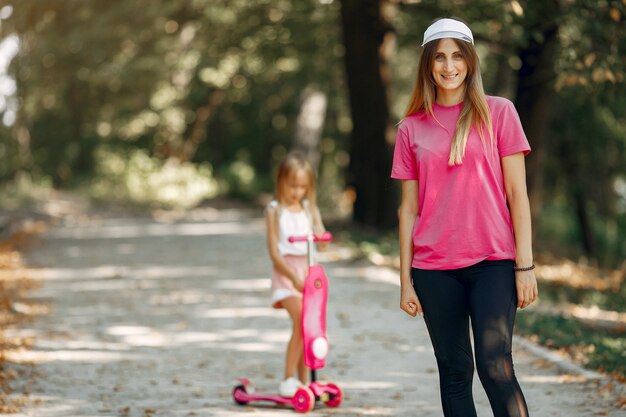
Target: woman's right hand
409	302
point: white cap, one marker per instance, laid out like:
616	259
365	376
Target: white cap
448	28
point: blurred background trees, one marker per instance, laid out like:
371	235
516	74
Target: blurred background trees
177	101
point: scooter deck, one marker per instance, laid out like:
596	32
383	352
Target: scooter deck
315	297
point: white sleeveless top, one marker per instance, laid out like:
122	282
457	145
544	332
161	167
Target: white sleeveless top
292	223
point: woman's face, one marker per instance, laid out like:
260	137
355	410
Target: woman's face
449	67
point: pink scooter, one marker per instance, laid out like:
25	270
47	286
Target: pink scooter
314	299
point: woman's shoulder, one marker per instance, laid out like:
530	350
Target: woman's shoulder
412	120
497	103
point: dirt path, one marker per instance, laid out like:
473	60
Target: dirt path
154	318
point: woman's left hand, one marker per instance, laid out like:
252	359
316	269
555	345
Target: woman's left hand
527	291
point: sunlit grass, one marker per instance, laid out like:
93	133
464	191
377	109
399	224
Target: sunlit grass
596	348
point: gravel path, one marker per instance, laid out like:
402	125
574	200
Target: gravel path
160	318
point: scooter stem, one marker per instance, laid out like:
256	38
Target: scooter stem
310	250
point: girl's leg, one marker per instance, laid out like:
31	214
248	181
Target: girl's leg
444	300
303	371
294	359
493	304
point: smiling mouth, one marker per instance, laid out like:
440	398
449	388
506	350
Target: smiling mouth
449	77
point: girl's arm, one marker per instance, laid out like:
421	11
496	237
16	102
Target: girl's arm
407	214
272	247
318	225
514	173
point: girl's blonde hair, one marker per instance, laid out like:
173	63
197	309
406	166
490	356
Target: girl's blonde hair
289	165
475	111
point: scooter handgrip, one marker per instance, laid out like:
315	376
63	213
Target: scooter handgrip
325	237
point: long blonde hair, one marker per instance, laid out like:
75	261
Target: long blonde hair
475	111
293	162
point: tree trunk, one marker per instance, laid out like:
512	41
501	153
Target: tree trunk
310	124
535	93
84	160
198	131
365	34
584	221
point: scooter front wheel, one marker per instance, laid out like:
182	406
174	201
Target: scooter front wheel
239	393
303	400
335	400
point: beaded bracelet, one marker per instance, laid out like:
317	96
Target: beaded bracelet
527	268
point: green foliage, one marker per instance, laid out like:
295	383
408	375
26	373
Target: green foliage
193	81
588	164
141	179
24	192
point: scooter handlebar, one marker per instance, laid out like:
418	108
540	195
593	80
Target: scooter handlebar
324	237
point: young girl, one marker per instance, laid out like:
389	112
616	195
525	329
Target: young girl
465	227
293	212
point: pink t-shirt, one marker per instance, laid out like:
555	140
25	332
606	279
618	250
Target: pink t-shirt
463	217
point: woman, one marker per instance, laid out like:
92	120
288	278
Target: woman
465	228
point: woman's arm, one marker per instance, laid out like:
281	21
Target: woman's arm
272	247
514	173
407	214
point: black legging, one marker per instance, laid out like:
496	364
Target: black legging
484	292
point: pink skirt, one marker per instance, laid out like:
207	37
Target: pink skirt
282	287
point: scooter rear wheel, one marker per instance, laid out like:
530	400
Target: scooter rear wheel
303	400
237	398
335	400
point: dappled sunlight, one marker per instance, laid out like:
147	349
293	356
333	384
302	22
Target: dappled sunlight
181	338
579	275
153	339
593	315
168	271
253	347
109	285
368	385
551	379
276	336
180	298
369	273
369	411
155	230
240	333
138	175
253	284
140	336
96	272
120	271
335	253
128	330
75	344
89	356
239	312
